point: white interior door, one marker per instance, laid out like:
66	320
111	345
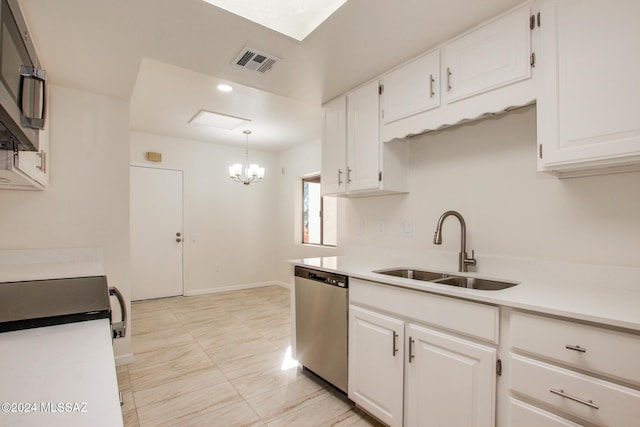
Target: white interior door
156	232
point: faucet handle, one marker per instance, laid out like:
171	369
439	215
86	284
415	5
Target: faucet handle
472	260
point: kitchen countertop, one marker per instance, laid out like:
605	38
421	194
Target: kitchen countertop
593	293
60	375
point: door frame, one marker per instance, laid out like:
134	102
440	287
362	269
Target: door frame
185	231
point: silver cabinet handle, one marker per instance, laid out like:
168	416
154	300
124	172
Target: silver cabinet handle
395	343
349	175
449	79
340	176
575	399
119	329
411	355
575	348
43	161
431	82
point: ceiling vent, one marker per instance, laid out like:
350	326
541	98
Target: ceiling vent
255	60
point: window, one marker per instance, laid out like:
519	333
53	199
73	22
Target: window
319	214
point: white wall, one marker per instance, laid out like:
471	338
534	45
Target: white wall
294	164
487	171
87	203
230	234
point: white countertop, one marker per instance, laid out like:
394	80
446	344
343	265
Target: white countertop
594	293
60	375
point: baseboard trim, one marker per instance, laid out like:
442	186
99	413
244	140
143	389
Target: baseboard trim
124	359
235	288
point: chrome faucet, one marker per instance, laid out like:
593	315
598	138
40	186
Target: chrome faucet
463	260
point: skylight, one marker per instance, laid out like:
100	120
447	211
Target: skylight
293	18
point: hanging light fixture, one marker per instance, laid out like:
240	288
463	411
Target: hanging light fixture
246	173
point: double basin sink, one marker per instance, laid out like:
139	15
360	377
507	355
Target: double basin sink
447	279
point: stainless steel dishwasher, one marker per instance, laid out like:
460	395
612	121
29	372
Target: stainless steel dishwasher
321	324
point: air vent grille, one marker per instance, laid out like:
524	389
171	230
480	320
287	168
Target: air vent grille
256	60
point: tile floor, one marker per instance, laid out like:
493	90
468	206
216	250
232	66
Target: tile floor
217	360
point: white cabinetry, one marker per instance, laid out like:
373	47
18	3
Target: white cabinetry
334	147
405	349
363	137
450	381
491	56
376	363
589	91
581	373
354	161
412	88
27	170
484	71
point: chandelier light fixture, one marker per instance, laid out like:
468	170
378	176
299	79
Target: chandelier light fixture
247	173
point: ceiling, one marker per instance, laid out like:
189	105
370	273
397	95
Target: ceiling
166	56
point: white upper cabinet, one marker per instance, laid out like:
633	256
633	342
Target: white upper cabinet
489	57
363	137
484	71
354	161
589	86
334	147
412	88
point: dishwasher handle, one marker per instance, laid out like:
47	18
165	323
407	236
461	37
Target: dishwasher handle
317	278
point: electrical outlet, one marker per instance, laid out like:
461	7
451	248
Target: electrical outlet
406	229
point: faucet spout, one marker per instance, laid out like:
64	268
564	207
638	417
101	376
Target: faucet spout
463	260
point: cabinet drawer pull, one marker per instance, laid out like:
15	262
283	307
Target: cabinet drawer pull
575	399
395	343
348	175
449	79
340	176
576	348
431	82
411	355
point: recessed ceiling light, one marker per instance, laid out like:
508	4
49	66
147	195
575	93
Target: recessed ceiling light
293	18
218	120
224	88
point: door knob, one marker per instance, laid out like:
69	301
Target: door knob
178	234
178	240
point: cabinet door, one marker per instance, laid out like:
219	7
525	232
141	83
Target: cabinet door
363	137
450	381
492	56
376	359
334	147
412	88
589	90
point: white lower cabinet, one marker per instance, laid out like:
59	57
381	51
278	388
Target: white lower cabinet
407	373
581	373
450	381
376	364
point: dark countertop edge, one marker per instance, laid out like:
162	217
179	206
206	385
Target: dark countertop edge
18	325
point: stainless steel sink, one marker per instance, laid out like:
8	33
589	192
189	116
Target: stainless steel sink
425	276
447	279
476	283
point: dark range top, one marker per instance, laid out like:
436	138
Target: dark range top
36	303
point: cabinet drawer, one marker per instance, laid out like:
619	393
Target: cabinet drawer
524	415
588	398
602	351
468	318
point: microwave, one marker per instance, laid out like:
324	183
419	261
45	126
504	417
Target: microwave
22	83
